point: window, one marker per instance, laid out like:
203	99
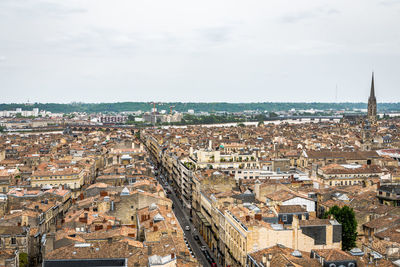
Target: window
13	240
284	218
131	218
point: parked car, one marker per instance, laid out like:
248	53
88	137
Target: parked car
187	228
196	237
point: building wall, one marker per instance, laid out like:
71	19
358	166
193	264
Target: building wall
71	181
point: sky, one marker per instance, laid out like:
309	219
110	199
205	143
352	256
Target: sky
199	51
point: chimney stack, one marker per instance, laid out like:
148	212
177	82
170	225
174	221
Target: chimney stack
264	260
269	260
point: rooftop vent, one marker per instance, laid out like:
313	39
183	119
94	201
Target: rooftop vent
158	218
356	252
296	253
125	192
153	206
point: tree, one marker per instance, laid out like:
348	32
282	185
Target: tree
23	259
137	134
273	115
260	123
347	218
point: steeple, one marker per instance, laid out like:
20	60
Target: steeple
372	103
372	94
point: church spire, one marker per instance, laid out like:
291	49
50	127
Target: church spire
372	103
372	94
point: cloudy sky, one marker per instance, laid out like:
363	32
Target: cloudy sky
199	51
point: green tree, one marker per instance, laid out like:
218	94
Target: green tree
1	129
23	259
347	218
273	115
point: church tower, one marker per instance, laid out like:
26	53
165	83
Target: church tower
372	103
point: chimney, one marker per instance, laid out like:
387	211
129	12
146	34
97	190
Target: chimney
378	185
155	228
269	260
371	258
295	222
172	256
258	216
264	260
49	245
247	218
151	224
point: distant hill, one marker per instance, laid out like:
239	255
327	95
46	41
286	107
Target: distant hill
197	107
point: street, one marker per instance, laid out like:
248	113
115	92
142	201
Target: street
184	221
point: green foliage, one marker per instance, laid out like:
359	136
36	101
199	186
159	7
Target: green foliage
241	125
183	107
189	165
273	115
346	217
137	134
23	259
1	129
209	119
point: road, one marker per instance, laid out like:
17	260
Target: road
183	219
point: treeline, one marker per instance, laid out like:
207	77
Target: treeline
197	107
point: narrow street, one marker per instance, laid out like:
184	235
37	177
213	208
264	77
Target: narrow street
183	218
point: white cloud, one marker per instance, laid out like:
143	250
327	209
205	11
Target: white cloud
190	50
